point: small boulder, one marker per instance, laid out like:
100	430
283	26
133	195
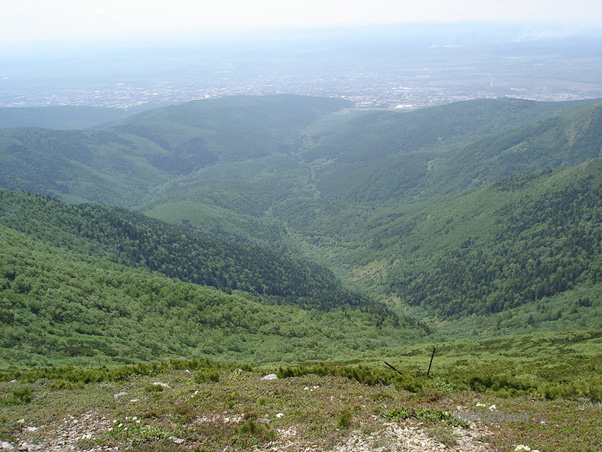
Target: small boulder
269	377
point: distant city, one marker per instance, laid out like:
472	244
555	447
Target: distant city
366	90
375	73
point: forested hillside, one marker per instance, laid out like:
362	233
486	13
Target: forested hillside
561	141
385	158
60	307
199	133
485	211
135	240
79	166
124	164
395	159
523	240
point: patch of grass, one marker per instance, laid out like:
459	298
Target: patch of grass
344	420
443	434
20	396
158	447
137	432
206	376
154	388
252	431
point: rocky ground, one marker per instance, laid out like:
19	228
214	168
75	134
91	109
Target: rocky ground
79	433
180	411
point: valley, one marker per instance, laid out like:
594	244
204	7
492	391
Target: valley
213	242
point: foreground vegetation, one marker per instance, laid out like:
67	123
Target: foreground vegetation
550	384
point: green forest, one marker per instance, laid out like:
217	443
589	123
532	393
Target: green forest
60	306
472	218
525	238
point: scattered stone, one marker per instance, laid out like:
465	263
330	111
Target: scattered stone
119	394
175	440
219	419
263	421
13	381
133	400
269	377
279	415
163	385
63	435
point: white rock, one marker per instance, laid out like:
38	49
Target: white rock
270	377
6	446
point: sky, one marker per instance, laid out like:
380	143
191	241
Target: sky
43	20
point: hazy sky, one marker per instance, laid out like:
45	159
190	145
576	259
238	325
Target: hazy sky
33	20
